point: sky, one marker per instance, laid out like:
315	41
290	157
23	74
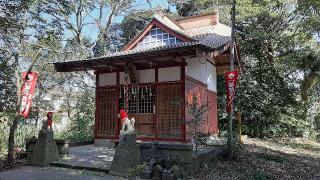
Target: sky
91	31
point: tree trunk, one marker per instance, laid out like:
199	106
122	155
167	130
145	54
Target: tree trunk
13	129
230	138
15	122
307	85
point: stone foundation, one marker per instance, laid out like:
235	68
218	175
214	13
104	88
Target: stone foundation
104	143
191	161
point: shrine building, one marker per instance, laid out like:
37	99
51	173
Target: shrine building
167	63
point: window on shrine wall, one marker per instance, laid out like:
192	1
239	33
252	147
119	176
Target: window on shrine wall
157	37
141	99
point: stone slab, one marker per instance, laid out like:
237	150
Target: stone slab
45	151
87	157
125	159
168	145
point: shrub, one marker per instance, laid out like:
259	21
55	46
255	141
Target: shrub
80	128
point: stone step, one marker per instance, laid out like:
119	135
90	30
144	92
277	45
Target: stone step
78	167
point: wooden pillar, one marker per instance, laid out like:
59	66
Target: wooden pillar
96	124
155	102
183	114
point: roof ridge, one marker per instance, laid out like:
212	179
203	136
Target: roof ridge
200	26
195	16
179	31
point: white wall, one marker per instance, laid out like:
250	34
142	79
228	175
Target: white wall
169	74
146	76
108	79
121	77
143	76
203	71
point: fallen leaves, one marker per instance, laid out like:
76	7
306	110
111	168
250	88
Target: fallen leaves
268	159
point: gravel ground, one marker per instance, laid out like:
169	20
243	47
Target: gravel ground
268	159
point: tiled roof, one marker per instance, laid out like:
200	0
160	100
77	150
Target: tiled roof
202	31
214	41
212	37
211	41
158	48
169	23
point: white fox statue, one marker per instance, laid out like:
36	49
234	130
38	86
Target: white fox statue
127	124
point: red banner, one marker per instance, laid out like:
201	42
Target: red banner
27	92
231	82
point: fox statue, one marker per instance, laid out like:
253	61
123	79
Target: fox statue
127	124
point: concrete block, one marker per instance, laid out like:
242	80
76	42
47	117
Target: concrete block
104	143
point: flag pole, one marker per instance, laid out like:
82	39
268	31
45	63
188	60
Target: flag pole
230	144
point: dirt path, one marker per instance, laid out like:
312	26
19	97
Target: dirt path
53	173
269	159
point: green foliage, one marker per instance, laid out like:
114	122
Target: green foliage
80	128
23	132
197	111
133	23
278	93
267	103
56	118
317	122
187	8
136	171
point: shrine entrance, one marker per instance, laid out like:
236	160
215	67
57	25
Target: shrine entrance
155	106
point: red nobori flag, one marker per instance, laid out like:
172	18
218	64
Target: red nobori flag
231	82
27	92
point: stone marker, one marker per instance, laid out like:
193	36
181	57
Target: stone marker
45	151
147	172
127	156
157	172
167	175
176	171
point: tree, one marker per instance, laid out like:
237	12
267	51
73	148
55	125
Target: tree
21	20
133	23
197	111
81	126
189	8
275	41
279	49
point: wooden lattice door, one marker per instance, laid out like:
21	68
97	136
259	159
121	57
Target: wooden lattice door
106	113
169	119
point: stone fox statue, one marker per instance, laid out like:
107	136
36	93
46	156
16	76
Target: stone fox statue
127	124
47	124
